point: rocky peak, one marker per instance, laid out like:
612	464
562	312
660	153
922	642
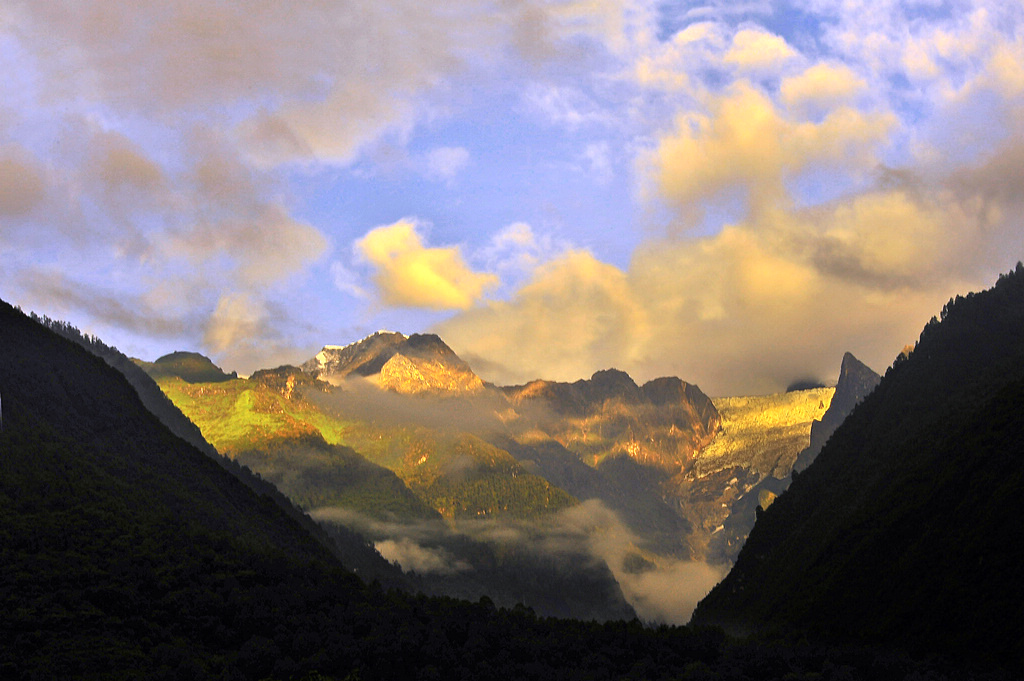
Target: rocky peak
407	364
856	381
362	358
610	384
414	375
665	390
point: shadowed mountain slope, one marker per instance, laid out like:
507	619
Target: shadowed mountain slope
904	531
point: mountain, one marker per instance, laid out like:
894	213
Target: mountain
903	532
420	363
760	439
115	532
663	423
394	482
188	366
856	381
656	455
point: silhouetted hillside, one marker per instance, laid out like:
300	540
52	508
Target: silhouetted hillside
359	554
904	531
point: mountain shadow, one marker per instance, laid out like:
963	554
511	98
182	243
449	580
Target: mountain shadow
904	532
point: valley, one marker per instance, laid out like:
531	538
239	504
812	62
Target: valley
184	554
395	437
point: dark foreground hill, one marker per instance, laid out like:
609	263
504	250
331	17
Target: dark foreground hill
905	530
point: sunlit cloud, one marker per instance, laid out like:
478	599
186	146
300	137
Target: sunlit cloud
409	274
822	85
746	149
214	164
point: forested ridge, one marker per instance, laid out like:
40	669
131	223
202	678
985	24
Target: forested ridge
905	530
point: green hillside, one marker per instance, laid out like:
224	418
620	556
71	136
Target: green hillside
268	424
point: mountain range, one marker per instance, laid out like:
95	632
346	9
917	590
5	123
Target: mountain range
128	551
395	437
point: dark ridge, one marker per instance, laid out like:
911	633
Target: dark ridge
188	366
904	531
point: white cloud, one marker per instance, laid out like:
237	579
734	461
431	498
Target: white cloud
347	281
758	50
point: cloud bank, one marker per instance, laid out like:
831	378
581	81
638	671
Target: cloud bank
802	178
816	203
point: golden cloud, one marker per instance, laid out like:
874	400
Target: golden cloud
410	274
746	144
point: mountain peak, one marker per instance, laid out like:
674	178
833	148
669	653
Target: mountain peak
856	381
415	364
191	367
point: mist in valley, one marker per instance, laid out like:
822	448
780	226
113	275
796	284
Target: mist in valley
588	535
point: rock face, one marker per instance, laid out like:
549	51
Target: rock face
416	364
856	381
362	358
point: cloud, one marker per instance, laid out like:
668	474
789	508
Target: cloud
22	183
757	50
409	274
791	240
421	559
347	281
745	148
575	314
58	294
516	251
236	319
822	85
154	143
566	106
667	591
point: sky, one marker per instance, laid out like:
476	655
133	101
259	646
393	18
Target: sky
735	193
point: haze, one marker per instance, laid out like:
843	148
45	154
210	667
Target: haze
735	195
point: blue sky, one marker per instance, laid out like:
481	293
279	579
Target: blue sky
734	193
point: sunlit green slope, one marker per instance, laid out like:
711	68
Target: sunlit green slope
268	423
